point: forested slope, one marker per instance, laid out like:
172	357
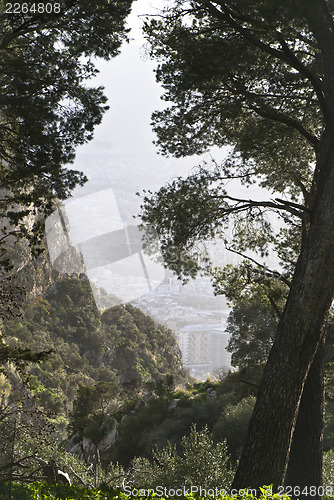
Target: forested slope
121	346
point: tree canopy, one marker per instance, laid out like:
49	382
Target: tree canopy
252	326
46	107
122	344
257	77
241	74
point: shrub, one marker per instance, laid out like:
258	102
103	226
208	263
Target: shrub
42	491
328	469
201	463
233	426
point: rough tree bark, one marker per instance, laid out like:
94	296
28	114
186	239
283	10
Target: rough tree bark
265	456
305	458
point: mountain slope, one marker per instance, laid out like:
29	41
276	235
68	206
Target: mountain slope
121	346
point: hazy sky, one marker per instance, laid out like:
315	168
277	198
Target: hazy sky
122	148
121	155
121	159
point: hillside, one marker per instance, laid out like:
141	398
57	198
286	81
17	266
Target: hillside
121	346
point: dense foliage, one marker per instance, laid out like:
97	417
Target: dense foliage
200	462
40	491
252	326
46	108
169	417
256	78
122	348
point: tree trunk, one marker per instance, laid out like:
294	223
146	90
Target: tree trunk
265	455
305	458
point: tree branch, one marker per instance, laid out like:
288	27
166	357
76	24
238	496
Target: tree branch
292	204
274	306
76	475
284	205
285	55
16	463
268	272
263	109
248	383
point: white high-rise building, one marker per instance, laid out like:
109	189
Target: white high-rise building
221	359
203	349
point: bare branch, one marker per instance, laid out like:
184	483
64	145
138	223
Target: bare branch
268	272
293	204
283	205
16	463
76	475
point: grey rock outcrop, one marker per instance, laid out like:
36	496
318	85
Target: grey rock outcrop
88	450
